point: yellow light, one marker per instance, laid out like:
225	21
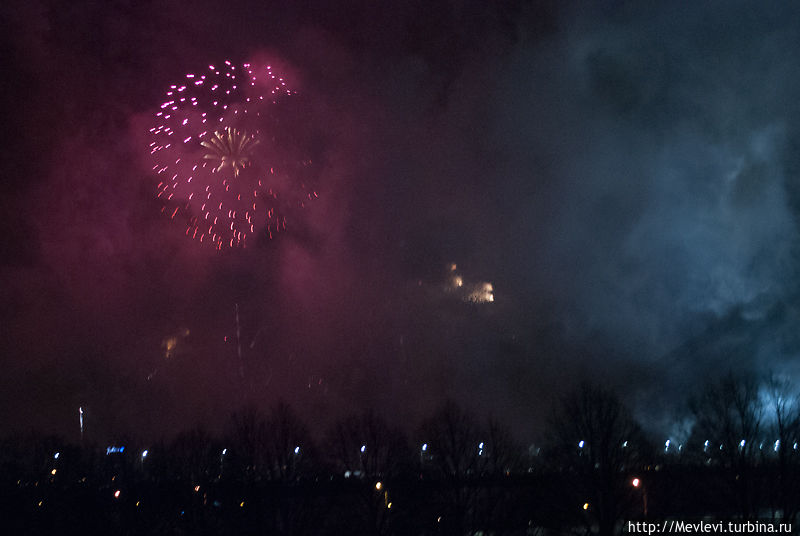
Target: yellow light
378	485
137	503
170	344
53	472
585	506
389	505
231	148
40	503
241	504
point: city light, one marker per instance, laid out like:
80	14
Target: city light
580	444
635	482
378	486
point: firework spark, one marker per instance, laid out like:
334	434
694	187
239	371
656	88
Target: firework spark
482	292
220	155
231	148
171	343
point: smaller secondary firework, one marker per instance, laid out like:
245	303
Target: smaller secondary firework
478	292
225	161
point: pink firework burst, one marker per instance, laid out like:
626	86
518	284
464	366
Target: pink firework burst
221	153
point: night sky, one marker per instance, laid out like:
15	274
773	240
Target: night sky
626	175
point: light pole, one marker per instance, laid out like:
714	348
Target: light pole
638	483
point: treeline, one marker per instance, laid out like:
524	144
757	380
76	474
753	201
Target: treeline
457	474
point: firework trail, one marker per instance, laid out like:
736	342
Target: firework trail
223	156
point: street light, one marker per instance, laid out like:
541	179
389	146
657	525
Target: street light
637	483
